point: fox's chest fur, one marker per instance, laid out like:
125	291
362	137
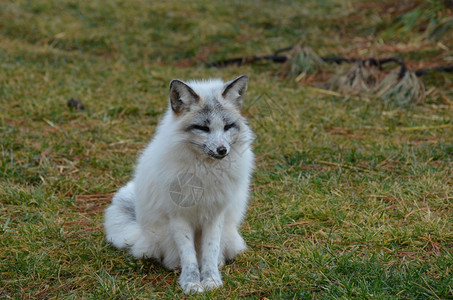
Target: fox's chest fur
216	180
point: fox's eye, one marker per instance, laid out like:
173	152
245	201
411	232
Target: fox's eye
200	127
229	126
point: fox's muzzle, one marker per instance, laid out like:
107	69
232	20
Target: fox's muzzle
219	152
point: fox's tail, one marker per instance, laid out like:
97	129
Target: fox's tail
120	222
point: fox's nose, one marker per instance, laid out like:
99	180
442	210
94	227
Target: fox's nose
222	151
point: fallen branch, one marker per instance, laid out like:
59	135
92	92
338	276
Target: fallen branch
277	57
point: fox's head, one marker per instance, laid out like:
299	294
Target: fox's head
208	114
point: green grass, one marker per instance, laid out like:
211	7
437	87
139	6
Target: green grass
351	198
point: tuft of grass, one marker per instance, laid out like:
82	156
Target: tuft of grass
432	20
351	198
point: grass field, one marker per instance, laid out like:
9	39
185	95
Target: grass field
351	198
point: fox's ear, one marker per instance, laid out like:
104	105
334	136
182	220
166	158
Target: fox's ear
181	96
234	90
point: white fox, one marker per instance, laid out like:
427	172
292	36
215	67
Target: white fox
189	193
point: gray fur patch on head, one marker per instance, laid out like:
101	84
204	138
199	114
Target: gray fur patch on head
199	117
215	112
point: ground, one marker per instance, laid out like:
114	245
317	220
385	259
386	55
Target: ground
351	197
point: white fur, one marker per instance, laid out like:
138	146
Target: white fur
200	237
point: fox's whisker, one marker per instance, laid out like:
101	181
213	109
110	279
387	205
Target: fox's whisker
193	143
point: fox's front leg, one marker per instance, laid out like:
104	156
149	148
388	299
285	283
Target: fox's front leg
183	234
210	247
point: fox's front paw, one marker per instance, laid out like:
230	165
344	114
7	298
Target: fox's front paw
189	280
190	288
210	284
211	280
